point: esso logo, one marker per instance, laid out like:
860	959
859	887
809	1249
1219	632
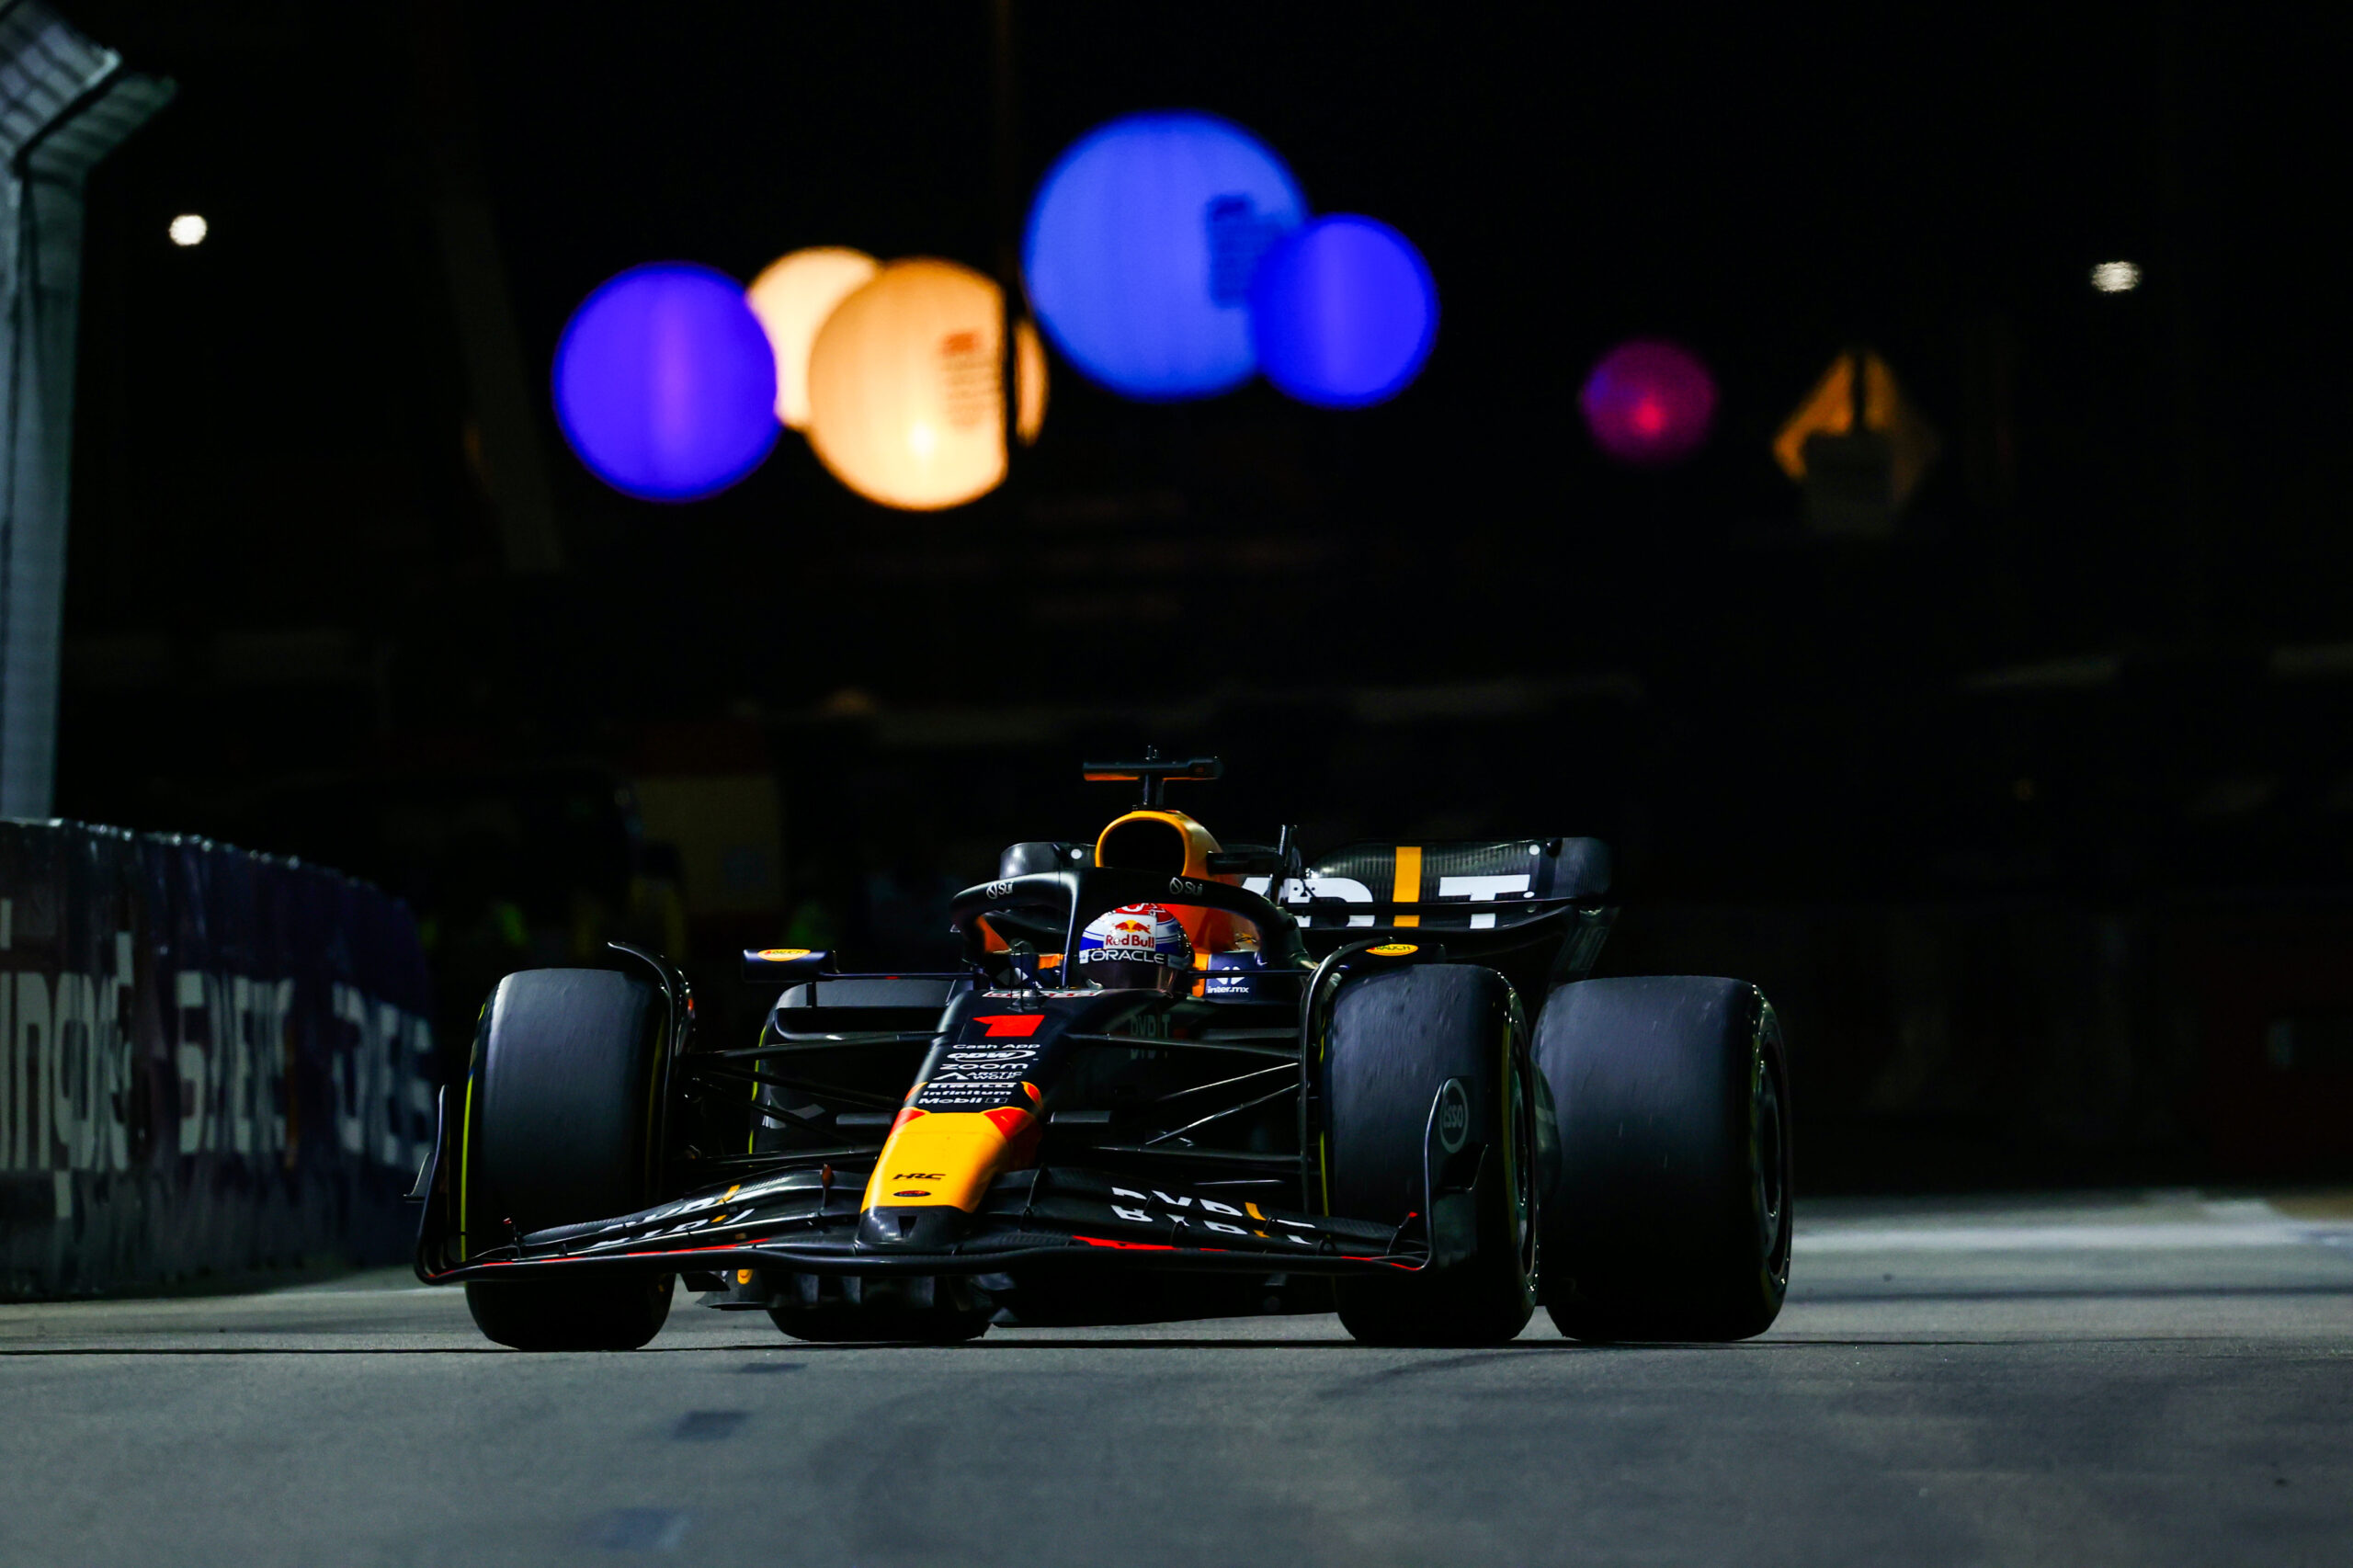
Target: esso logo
1453	1116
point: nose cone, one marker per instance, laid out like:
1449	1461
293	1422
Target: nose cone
925	1229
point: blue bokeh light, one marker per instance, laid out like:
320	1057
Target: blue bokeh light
1344	313
1140	246
664	383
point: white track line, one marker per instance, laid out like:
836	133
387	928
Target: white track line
2154	1237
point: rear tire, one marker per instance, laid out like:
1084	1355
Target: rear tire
1397	1037
1672	1216
562	1128
943	1311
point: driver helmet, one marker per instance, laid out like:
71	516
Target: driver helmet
1137	946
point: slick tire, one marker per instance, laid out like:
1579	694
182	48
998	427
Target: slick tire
561	1129
1671	1216
940	1312
1397	1037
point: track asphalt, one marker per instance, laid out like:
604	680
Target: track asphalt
2146	1379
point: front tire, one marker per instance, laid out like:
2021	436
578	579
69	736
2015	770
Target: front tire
561	1128
1398	1038
1673	1213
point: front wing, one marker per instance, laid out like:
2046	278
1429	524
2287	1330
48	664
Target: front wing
807	1221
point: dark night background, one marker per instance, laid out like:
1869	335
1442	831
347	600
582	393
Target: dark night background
2036	818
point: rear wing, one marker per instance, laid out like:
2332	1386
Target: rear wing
1464	885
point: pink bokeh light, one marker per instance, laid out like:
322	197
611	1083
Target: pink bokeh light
1649	403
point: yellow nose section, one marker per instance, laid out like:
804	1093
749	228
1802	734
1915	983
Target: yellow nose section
947	1159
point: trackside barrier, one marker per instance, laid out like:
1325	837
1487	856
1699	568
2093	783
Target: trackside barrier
211	1060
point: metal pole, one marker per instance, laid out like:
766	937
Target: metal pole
69	102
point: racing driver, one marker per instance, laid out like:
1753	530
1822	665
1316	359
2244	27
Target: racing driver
1138	947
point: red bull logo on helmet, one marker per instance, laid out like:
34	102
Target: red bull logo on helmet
1140	933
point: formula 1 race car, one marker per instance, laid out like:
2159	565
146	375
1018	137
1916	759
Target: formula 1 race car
1174	1080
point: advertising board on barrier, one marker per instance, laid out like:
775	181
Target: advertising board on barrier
211	1060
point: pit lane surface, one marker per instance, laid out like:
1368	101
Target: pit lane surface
2146	1379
